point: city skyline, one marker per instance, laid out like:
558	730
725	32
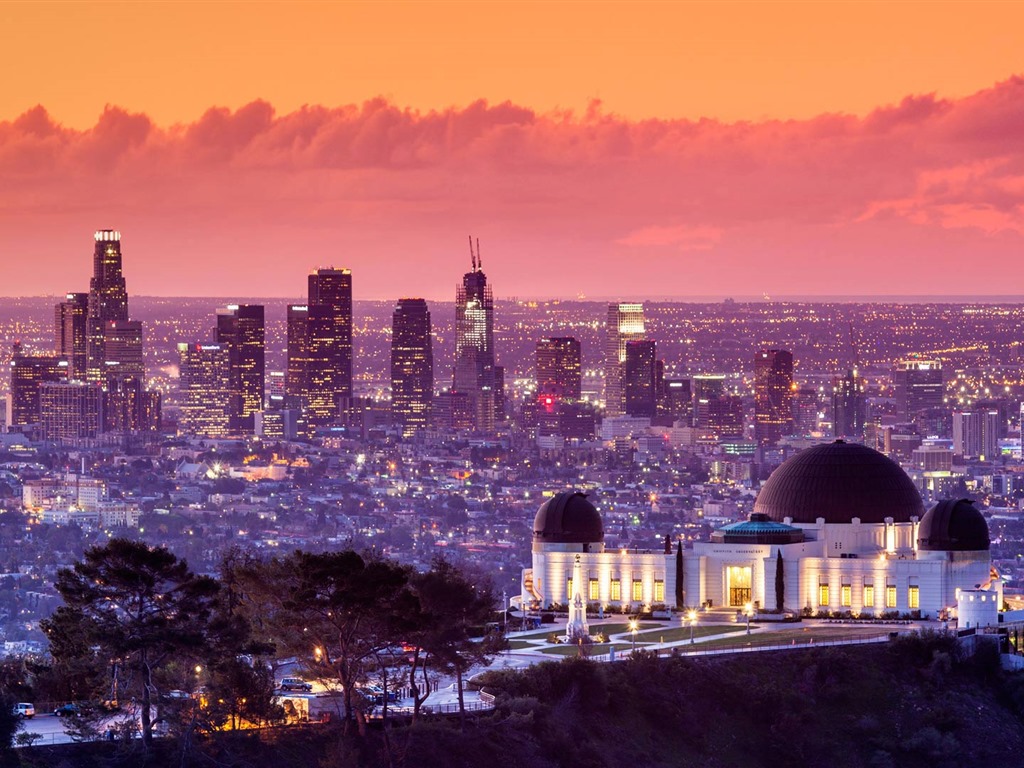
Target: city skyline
712	153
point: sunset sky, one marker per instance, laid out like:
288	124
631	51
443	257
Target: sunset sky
605	149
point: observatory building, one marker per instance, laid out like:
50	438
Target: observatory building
837	528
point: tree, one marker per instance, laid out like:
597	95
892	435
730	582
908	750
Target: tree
335	610
454	609
140	605
680	591
780	581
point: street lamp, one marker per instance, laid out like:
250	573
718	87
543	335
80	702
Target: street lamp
633	626
748	609
692	616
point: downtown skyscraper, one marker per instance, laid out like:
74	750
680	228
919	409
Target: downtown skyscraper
108	299
476	373
559	368
412	365
773	395
205	390
240	328
625	324
70	333
332	288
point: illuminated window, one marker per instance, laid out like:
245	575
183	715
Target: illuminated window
846	596
638	590
616	589
568	589
914	597
869	596
823	594
659	591
594	590
890	596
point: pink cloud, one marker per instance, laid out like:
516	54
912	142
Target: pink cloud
244	202
682	237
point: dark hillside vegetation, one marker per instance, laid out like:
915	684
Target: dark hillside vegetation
910	703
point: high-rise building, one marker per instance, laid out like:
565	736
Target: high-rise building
122	350
976	434
128	407
805	411
678	400
205	390
70	411
240	328
773	395
475	371
332	289
725	416
707	389
70	333
625	324
918	385
849	406
28	372
559	368
412	365
108	299
309	380
640	379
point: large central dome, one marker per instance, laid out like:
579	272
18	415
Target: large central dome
568	518
839	481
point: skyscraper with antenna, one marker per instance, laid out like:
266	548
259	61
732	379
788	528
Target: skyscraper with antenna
475	371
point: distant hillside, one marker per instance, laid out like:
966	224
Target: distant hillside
910	703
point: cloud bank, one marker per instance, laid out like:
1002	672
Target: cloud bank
911	198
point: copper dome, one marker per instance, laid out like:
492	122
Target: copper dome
838	482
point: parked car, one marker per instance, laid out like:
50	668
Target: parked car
177	695
295	684
66	710
24	709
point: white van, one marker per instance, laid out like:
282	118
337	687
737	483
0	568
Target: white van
24	709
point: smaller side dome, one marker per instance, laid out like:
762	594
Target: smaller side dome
953	525
568	518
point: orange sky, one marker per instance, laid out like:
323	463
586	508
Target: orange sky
727	60
880	150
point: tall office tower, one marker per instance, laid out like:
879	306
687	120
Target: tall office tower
309	380
725	416
678	401
108	299
412	365
240	328
849	406
122	350
640	380
976	434
773	395
559	368
205	389
28	372
706	389
805	411
70	411
129	407
918	385
332	288
70	334
475	372
625	324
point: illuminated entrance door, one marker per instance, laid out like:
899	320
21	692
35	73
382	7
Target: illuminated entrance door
739	585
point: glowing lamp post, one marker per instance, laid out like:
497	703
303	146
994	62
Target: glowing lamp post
748	609
633	626
692	616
